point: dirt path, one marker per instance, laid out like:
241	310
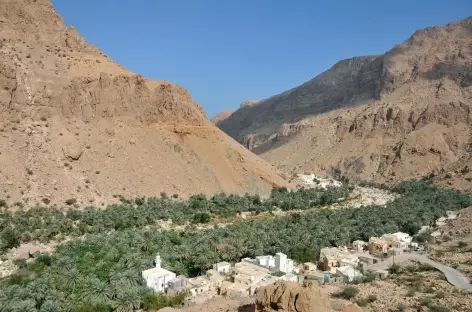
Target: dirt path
453	276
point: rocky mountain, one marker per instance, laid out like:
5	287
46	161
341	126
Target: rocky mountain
226	113
75	125
403	114
221	116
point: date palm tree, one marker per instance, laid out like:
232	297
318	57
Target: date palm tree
127	299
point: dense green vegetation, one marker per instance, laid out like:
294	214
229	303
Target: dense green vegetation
46	224
102	269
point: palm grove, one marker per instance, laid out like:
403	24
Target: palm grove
101	270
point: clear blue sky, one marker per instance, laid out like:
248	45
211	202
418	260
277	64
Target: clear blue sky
227	51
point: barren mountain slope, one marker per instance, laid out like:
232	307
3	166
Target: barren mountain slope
221	116
399	115
75	125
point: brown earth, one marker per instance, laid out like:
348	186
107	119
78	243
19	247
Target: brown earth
76	125
413	291
454	246
403	114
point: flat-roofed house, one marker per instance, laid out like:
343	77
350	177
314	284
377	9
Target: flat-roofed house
158	278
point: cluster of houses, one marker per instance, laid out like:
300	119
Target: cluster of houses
349	264
247	276
242	279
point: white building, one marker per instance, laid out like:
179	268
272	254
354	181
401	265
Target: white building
348	273
403	237
266	261
222	267
399	239
158	278
282	263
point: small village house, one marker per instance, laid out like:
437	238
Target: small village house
158	278
378	245
282	263
348	273
359	245
222	267
349	260
216	278
330	264
266	261
309	266
199	285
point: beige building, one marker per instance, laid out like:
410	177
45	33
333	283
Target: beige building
333	258
309	266
358	245
199	285
378	245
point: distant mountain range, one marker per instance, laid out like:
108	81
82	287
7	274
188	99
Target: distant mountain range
403	114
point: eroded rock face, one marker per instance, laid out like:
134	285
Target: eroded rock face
291	297
63	101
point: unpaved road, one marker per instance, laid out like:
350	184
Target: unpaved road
453	276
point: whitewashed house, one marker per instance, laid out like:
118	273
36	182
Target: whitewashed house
266	261
348	273
158	278
282	263
222	267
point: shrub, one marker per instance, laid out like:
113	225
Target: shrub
277	273
71	201
462	244
152	301
45	259
139	201
21	263
9	238
436	308
372	298
349	292
369	276
201	217
425	301
362	302
424	267
3	203
394	269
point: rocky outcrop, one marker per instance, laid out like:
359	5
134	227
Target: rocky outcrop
76	125
395	116
291	297
285	296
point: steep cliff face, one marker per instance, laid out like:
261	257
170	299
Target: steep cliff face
399	115
334	88
74	124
